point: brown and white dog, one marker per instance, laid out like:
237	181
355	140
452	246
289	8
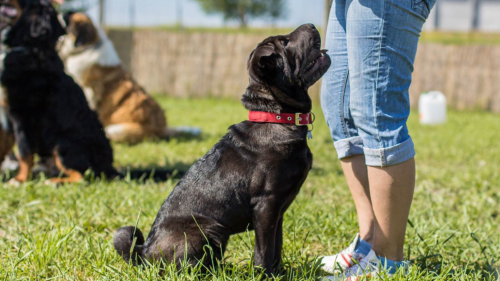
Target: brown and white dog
127	112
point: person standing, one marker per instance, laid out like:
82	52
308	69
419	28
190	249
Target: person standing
366	104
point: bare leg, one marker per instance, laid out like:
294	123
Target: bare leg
356	174
391	190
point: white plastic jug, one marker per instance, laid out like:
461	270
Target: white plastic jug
432	108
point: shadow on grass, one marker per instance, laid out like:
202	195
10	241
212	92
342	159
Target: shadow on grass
141	174
485	270
486	267
155	173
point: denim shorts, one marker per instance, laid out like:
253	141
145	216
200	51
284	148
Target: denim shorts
364	96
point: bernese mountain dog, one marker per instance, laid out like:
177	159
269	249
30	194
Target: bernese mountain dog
49	111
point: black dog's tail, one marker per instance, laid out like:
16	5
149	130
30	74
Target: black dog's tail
123	242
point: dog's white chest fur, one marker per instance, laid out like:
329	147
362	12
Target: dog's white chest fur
77	64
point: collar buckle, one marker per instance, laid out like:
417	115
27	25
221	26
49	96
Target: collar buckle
298	119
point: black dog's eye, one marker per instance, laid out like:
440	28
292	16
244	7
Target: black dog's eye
285	42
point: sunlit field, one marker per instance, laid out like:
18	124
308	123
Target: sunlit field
65	233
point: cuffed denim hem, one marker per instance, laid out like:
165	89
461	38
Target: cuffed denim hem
349	147
393	155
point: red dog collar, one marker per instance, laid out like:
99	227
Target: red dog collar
298	119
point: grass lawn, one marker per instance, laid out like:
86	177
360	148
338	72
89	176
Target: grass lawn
65	233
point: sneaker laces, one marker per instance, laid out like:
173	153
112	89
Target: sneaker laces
348	256
347	251
361	267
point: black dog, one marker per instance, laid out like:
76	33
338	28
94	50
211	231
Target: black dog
50	114
250	178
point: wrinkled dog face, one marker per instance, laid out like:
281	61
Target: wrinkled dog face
288	65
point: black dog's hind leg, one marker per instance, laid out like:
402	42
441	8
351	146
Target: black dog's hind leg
72	163
72	175
25	165
26	147
265	221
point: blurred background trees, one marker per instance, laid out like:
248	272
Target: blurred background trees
276	10
244	10
84	6
75	5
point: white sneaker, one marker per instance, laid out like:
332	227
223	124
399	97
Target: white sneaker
369	266
343	260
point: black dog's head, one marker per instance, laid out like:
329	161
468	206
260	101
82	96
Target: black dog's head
281	70
37	27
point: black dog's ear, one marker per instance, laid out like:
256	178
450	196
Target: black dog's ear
264	58
261	63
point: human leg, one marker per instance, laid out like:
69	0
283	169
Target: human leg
356	175
349	146
335	100
382	38
392	193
